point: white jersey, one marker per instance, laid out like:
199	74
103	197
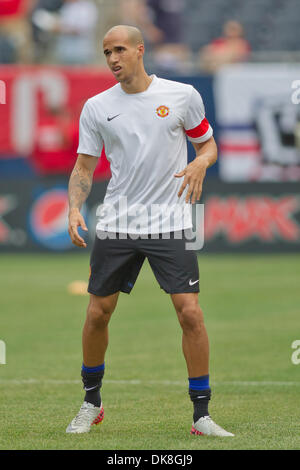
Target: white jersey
144	135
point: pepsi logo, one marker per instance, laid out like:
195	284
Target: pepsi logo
48	219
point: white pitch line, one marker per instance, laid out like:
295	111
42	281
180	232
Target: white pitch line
147	382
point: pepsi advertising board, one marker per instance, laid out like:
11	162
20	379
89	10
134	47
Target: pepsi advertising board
34	216
237	217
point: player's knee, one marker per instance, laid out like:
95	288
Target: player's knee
98	316
190	317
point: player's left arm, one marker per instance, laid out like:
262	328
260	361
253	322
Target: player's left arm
194	173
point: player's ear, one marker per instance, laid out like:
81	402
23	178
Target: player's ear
140	50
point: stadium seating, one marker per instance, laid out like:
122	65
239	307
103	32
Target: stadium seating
269	24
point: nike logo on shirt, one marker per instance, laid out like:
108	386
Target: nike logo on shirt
192	283
113	117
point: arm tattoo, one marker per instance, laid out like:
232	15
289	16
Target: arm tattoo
79	187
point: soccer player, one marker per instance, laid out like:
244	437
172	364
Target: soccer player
143	122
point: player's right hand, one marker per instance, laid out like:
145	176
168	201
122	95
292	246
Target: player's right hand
76	220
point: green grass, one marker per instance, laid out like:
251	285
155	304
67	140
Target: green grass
251	306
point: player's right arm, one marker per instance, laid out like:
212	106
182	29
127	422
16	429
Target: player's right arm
80	184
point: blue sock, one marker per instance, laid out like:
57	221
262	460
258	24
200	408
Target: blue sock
92	381
199	383
200	394
95	369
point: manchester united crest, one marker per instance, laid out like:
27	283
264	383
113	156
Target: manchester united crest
162	111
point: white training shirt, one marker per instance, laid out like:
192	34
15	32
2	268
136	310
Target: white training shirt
144	135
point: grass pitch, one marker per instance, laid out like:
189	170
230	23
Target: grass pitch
251	306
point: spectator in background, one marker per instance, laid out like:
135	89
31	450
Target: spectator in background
136	12
55	144
76	29
43	19
167	16
230	48
170	53
15	35
74	26
8	50
161	22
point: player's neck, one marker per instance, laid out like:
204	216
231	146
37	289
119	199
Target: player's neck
137	84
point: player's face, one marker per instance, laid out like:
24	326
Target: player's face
121	56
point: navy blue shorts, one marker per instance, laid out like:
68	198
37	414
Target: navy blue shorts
116	263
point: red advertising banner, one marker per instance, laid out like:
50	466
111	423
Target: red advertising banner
257	217
40	113
263	218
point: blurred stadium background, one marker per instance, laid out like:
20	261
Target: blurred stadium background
244	58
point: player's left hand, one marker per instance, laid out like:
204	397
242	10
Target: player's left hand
194	174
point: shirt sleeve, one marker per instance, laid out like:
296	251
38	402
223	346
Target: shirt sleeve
90	140
196	126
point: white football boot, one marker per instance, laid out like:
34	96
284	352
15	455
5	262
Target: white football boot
205	426
86	417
